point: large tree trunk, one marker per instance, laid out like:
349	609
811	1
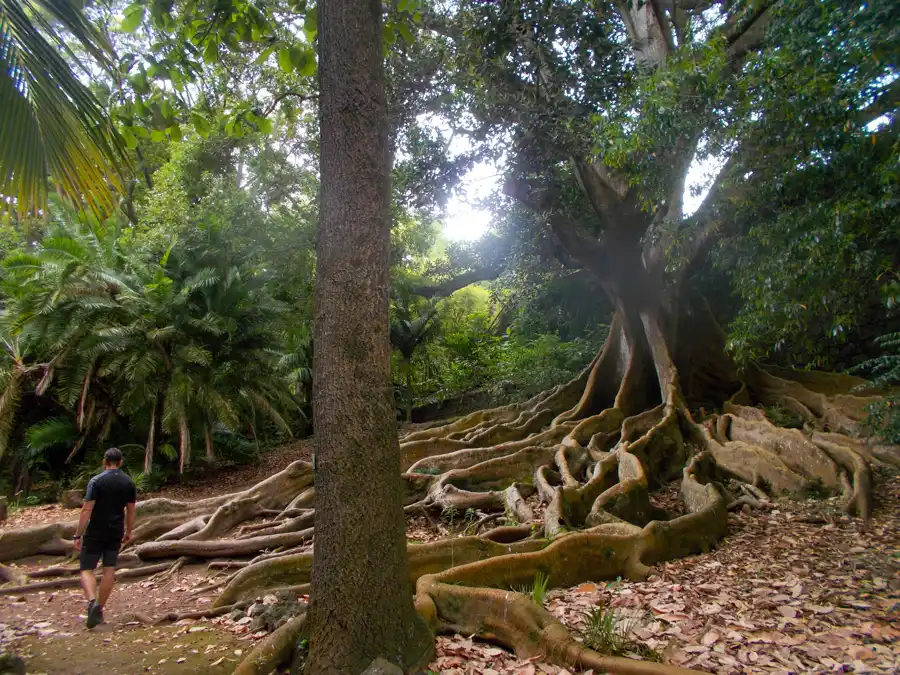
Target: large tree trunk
362	603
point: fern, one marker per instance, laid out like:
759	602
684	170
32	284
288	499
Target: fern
883	419
51	432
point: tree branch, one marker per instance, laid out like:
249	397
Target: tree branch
587	251
886	102
605	191
450	286
280	97
746	31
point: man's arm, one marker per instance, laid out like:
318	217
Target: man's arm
129	514
86	510
129	522
90	498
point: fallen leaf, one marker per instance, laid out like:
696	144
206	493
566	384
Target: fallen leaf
787	611
710	638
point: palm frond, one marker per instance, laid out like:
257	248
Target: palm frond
51	432
52	124
9	406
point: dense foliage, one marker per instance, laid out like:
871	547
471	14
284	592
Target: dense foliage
175	312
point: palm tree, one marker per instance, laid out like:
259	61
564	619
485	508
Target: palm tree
183	342
407	335
52	124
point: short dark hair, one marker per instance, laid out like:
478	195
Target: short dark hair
112	456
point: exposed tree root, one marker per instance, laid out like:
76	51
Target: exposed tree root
11	575
514	620
221	547
156	517
128	573
202	613
274	649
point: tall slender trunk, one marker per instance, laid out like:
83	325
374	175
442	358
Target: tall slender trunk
151	438
362	598
184	434
409	390
207	436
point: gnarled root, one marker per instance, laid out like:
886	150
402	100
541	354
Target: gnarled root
274	649
126	573
219	548
515	621
424	559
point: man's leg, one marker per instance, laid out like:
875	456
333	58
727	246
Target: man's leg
89	584
87	562
106	585
90	556
110	560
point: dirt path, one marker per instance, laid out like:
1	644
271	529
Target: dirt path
47	630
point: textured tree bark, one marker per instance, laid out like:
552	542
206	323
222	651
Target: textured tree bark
362	604
151	438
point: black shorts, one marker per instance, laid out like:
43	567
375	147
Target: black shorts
94	549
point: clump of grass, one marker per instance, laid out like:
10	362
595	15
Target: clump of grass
606	633
537	590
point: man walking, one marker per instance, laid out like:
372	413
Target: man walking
107	520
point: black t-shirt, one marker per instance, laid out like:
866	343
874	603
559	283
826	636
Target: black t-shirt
110	491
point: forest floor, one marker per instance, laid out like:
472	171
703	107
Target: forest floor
799	588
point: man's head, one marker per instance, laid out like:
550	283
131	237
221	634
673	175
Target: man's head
112	458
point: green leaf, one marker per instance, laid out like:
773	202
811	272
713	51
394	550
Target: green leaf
284	60
200	124
406	33
174	132
133	17
303	61
130	139
388	34
265	125
211	52
310	24
157	135
262	58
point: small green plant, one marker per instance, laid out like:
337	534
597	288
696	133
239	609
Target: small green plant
883	420
149	482
815	489
470	519
449	515
783	417
606	633
537	590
